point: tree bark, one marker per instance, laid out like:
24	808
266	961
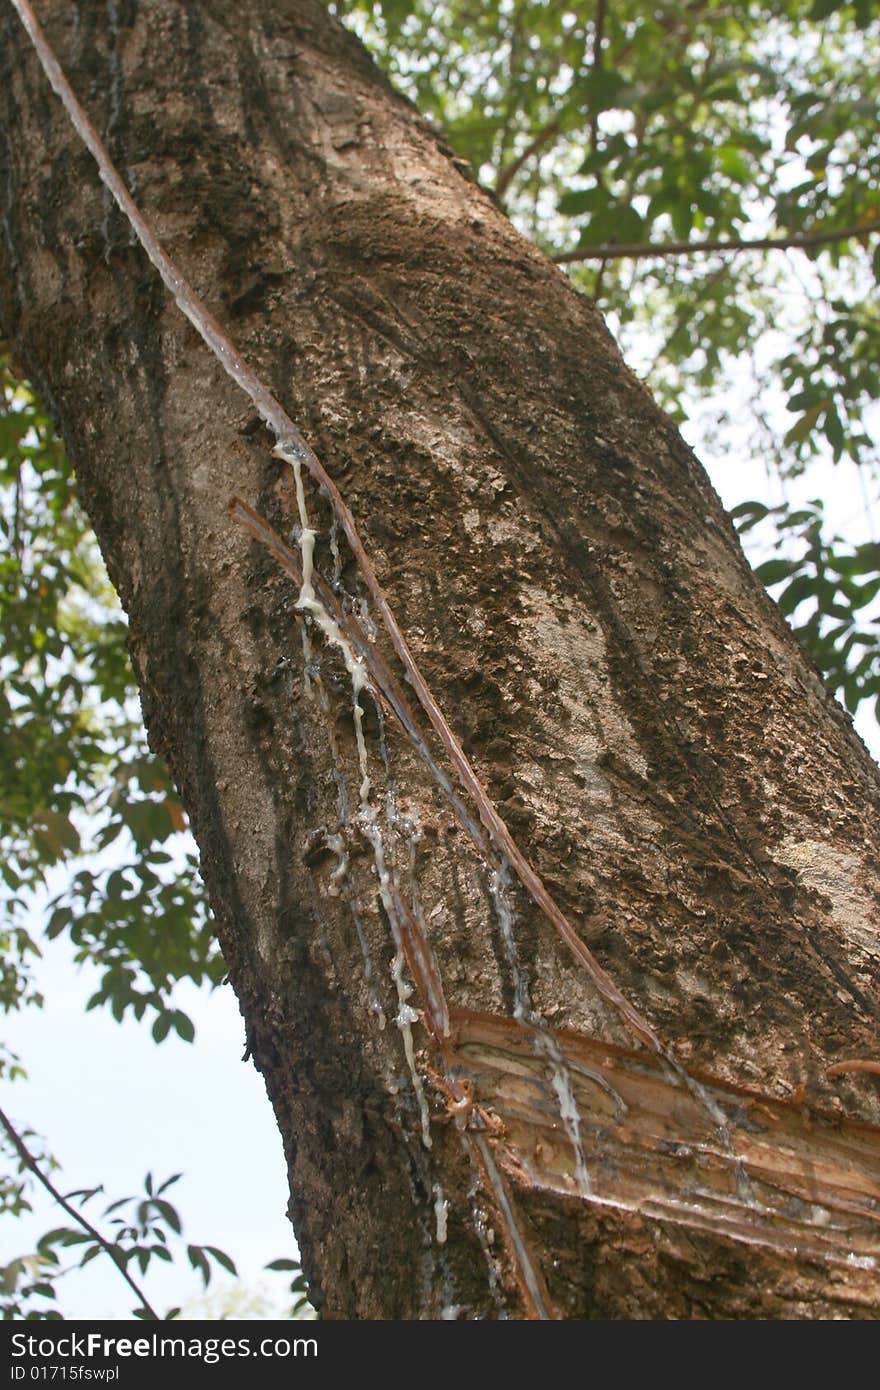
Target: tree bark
661	750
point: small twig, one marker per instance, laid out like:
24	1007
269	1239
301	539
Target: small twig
687	311
18	510
31	1163
537	143
551	128
644	250
598	36
597	283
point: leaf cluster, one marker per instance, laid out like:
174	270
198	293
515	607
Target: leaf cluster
80	790
138	1232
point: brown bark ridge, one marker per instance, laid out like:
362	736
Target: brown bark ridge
664	757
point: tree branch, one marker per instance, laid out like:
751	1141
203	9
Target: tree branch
31	1163
644	250
598	35
510	171
543	135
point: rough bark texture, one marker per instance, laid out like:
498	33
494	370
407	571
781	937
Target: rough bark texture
691	794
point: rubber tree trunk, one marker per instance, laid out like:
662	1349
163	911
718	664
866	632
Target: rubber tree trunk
662	753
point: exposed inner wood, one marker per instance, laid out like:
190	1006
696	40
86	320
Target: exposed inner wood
800	1181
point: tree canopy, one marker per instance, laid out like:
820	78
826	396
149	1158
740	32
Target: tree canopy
711	177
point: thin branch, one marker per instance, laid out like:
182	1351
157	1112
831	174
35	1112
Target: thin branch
598	36
542	136
31	1163
18	510
597	283
510	171
687	311
644	250
513	64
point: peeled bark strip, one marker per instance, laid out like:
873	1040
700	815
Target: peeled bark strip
661	752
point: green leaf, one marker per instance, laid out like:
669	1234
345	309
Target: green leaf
60	918
222	1258
162	1027
794	593
682	218
56	832
117	885
199	1263
773	570
602	89
168	1213
580	200
184	1026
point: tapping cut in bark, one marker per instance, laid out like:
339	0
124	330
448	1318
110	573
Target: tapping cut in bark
619	685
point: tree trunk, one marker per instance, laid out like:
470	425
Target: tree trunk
520	1144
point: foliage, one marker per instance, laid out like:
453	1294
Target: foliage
823	588
240	1301
135	1233
298	1292
92	834
138	1231
78	786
